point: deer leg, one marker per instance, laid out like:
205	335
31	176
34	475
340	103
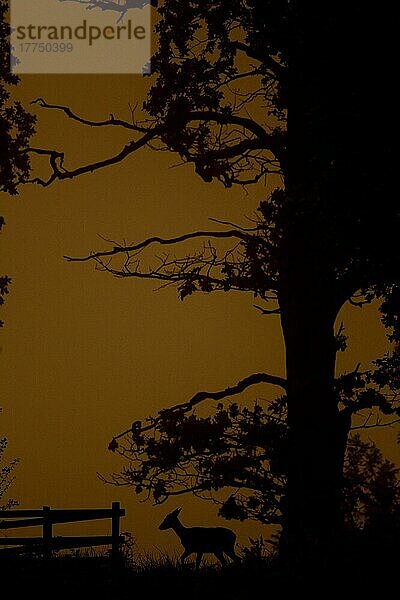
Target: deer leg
184	556
221	558
231	553
199	556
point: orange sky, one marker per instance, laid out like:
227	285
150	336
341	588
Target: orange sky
84	354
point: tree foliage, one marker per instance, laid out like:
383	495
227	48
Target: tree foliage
236	457
6	476
16	125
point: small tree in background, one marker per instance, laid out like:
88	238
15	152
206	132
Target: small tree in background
372	488
6	476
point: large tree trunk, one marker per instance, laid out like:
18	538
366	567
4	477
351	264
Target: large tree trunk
309	297
316	434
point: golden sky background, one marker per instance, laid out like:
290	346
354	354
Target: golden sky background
84	354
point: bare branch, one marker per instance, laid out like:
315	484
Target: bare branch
71	115
57	159
232	233
376	424
221	222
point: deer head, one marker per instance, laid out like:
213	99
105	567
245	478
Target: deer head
170	519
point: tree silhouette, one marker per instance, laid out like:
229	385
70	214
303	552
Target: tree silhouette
237	457
6	477
4	279
372	487
299	95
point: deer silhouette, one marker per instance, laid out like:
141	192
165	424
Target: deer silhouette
202	540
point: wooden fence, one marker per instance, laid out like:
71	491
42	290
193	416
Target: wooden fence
47	517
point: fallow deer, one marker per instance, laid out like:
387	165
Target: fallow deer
202	540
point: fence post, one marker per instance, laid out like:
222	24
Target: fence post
47	531
115	530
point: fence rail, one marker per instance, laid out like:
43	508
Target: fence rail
47	517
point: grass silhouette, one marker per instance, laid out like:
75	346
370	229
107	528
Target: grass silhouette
366	562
